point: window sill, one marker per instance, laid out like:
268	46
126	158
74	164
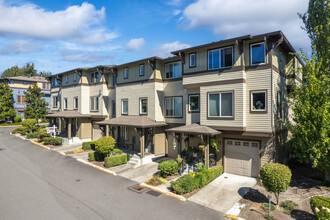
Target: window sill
94	110
220	118
258	112
174	117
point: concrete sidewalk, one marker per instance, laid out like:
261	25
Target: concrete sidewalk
224	192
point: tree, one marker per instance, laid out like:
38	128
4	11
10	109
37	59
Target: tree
105	145
7	110
27	70
275	178
36	106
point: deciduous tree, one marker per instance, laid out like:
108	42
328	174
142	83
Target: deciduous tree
7	110
36	106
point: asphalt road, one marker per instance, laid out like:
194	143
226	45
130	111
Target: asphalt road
36	183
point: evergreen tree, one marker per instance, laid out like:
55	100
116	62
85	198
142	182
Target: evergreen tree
27	70
7	110
36	106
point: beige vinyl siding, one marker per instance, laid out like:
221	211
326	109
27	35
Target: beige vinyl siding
84	100
134	73
95	90
84	128
258	80
267	154
159	101
70	93
159	141
70	79
279	84
212	77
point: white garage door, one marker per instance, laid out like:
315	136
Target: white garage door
242	157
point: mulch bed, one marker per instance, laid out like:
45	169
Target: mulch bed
172	177
98	163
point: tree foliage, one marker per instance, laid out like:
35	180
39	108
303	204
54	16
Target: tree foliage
27	70
7	110
105	145
36	106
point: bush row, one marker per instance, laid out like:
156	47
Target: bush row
321	207
115	160
168	167
90	145
189	183
95	156
52	141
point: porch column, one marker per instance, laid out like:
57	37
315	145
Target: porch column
107	130
142	143
69	128
60	124
207	153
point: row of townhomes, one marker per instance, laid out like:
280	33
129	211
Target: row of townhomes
234	90
20	84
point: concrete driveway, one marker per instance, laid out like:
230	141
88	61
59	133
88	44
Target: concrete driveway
224	192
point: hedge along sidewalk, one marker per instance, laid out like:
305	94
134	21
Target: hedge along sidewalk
97	167
31	140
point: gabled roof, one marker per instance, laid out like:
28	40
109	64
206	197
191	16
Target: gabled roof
195	129
133	121
28	79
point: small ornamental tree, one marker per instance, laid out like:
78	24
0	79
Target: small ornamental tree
7	110
30	124
36	106
275	178
105	145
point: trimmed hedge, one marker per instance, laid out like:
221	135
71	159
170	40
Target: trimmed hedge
90	145
189	183
168	167
17	119
115	160
32	135
95	156
321	207
52	141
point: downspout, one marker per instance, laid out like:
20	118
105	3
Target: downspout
272	105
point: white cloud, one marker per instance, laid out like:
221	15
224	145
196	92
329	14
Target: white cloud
175	2
18	47
135	44
76	22
164	50
240	17
84	57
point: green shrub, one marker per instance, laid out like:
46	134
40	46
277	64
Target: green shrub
43	133
156	180
30	124
275	178
105	145
117	151
200	167
265	207
168	167
115	160
16	130
321	207
23	130
17	119
288	206
95	156
32	135
52	141
189	183
90	145
269	217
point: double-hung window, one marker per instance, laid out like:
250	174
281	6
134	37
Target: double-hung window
55	83
124	106
94	103
95	77
20	99
66	79
75	77
55	100
258	101
258	53
141	73
143	106
75	102
65	103
220	58
126	73
194	103
220	104
173	106
192	60
173	70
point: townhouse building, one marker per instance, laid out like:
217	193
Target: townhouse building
20	84
234	90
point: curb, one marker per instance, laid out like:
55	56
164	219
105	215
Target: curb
164	192
97	167
233	217
40	145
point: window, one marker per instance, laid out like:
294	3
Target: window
55	101
279	104
124	132
55	83
114	79
75	102
45	86
20	99
124	106
194	103
192	60
173	106
95	77
94	103
258	101
113	108
220	104
11	81
141	70
126	73
220	58
75	77
173	70
66	79
143	106
65	103
258	53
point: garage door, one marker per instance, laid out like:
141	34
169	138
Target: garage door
242	157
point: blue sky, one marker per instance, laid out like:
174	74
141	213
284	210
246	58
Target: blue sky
62	35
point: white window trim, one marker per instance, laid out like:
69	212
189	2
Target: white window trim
122	107
140	70
167	64
219	49
143	113
75	103
170	116
55	101
190	59
251	101
65	103
251	45
193	95
126	73
95	107
232	104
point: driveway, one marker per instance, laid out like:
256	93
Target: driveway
224	192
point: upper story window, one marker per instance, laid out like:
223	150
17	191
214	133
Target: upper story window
173	70
192	60
20	99
113	111
55	101
75	102
221	104
11	81
66	79
27	83
94	103
141	72
126	73
258	53
114	79
220	58
194	103
65	103
55	83
173	106
95	77
143	106
45	86
124	106
258	101
75	77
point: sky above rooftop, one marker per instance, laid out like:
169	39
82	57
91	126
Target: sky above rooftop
58	35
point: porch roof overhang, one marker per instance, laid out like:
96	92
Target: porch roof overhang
195	129
67	114
133	121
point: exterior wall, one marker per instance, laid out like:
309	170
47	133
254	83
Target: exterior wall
71	81
84	128
133	73
70	93
159	141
